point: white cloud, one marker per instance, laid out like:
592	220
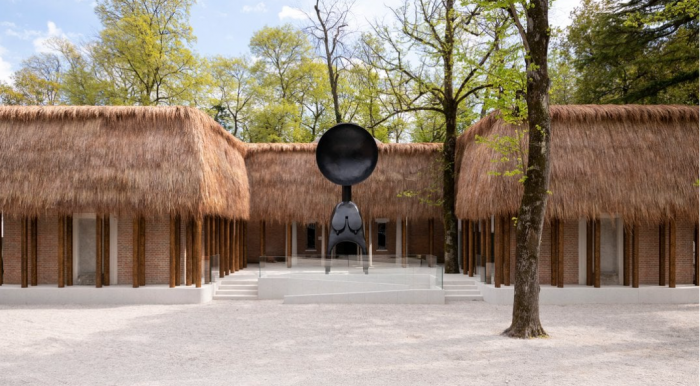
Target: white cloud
41	43
257	8
5	68
291	13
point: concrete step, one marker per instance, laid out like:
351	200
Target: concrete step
237	286
234	297
452	298
462	292
459	282
237	292
449	287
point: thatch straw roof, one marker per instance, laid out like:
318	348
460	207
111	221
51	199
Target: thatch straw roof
286	184
145	160
639	162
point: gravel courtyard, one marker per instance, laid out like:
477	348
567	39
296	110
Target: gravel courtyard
266	342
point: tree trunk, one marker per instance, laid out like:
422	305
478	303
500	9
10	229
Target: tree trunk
450	109
526	315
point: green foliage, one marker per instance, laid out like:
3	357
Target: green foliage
511	153
640	51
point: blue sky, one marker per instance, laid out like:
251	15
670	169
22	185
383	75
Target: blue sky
222	27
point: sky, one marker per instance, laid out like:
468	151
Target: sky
222	27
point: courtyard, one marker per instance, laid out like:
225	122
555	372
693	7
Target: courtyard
266	342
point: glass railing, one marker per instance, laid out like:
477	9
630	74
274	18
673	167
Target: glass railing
417	271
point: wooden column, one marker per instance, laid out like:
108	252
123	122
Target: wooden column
172	252
498	253
244	246
289	245
208	249
32	250
596	255
470	247
178	250
222	248
61	250
24	259
189	252
135	261
98	252
589	252
482	247
403	241
69	251
197	252
635	257
697	257
431	236
506	255
662	254
142	251
262	238
672	254
106	256
487	235
554	254
2	273
465	258
236	239
626	256
560	256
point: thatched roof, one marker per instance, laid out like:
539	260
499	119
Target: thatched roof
286	184
146	160
639	162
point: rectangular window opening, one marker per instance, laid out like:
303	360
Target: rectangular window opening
311	237
381	236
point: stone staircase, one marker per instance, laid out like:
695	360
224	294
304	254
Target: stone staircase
461	290
237	287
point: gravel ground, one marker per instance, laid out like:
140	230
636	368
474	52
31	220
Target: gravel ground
265	342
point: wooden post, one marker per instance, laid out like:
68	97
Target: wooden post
498	252
178	250
106	256
209	249
135	256
697	256
482	248
465	258
626	256
244	246
662	254
431	237
188	251
506	243
24	260
2	273
635	257
403	243
554	254
33	251
61	251
262	238
98	252
487	237
470	247
197	252
560	250
142	251
589	252
671	255
172	252
596	262
236	241
289	245
222	247
69	251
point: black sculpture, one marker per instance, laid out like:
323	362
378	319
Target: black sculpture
346	155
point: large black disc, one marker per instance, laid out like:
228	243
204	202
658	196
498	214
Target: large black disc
346	154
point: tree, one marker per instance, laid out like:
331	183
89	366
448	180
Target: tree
437	31
329	28
144	50
534	35
636	51
38	82
232	92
